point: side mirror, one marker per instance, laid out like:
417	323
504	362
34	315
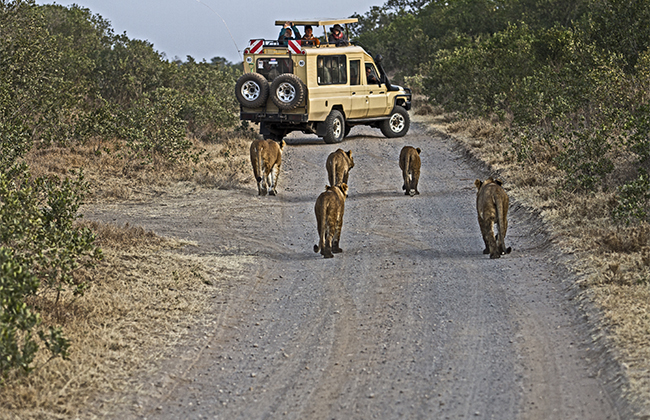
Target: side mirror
378	58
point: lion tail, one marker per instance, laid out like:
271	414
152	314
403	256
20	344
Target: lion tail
502	218
260	163
322	229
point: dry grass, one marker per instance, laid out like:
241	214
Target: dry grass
144	294
113	177
613	262
141	296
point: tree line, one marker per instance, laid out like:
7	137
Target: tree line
67	79
570	79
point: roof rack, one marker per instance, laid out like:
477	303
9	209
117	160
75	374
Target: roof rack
318	22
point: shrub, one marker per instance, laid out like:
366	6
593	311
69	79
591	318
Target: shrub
40	248
633	199
585	159
18	321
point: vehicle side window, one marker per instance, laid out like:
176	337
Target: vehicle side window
332	70
354	72
273	67
371	74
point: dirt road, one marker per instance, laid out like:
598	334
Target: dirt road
411	321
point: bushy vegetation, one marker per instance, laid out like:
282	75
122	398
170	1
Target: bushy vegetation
571	80
67	80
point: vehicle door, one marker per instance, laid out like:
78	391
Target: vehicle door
377	92
332	85
358	90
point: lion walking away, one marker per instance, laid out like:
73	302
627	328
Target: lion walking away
409	163
266	158
492	206
329	219
338	166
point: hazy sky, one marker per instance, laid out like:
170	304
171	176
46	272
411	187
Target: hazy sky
192	27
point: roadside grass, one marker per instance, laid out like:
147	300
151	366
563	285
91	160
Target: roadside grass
143	296
113	175
612	261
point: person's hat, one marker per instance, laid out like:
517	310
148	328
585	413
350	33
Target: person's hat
337	27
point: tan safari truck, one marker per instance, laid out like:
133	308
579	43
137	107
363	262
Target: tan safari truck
318	89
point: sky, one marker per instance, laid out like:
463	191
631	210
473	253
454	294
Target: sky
211	28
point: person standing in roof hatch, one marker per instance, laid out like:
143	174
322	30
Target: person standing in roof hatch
288	31
309	36
337	36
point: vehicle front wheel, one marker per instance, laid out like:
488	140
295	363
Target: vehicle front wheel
334	127
397	124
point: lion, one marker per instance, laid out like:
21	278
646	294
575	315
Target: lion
409	163
492	206
329	219
266	158
338	166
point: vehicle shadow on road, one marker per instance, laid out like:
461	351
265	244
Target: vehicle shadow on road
304	141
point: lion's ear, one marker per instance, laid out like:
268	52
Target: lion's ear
344	187
478	184
418	150
498	182
282	144
349	153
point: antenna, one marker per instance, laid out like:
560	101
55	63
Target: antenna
227	28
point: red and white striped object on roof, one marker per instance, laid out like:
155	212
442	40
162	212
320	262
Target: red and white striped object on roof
256	46
294	47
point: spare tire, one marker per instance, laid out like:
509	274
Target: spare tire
252	90
287	91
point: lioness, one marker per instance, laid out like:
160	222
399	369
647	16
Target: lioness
338	166
492	207
266	158
329	219
409	163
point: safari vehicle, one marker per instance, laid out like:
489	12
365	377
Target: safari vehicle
318	89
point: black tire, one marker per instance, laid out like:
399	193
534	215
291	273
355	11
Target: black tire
334	127
287	91
348	128
252	90
397	124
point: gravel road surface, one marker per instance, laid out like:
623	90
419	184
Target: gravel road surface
411	321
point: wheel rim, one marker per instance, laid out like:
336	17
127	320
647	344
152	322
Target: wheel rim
396	123
337	128
250	91
286	93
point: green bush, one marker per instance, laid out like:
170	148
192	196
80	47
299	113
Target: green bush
18	322
633	200
585	159
40	248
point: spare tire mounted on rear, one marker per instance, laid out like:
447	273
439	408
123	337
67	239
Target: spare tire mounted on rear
252	90
287	91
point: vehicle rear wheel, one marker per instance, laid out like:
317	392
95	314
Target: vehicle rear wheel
287	91
397	124
252	90
334	127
